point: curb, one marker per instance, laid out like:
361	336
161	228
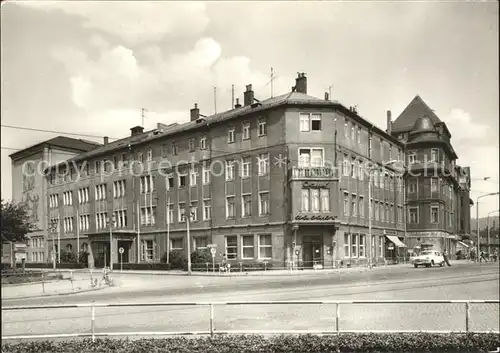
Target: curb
53	295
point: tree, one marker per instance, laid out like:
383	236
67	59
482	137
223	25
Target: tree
15	224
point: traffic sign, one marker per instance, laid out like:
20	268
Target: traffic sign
121	250
213	251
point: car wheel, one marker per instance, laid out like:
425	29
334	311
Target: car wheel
441	264
415	265
432	263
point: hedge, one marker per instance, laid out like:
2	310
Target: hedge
362	343
65	266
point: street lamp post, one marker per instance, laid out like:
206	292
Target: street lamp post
477	220
187	217
53	228
488	225
111	223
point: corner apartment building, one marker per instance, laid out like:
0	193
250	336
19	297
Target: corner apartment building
437	189
285	179
29	186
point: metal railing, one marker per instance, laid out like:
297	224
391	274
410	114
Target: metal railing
211	314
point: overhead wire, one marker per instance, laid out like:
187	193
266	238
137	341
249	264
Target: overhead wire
55	132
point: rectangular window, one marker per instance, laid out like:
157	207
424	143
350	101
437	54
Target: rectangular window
231	247
170	214
170	181
315	200
362	242
354	208
412	187
230	207
265	246
192	144
203	143
353	132
194	212
182	181
206	175
229	170
346	204
377	211
305	122
354	171
412	158
247	247
164	150
245	167
347	245
392	213
150	155
182	212
230	135
263	164
413	215
207	210
434	214
361	170
305	200
325	200
310	122
192	177
434	184
359	134
176	244
174	149
262	127
200	242
246	210
345	165
263	203
310	157
246	131
354	245
434	155
361	206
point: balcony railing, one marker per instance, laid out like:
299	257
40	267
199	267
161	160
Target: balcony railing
314	172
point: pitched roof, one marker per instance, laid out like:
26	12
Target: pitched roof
291	98
416	109
77	145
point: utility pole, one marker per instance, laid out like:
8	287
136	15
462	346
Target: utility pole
215	99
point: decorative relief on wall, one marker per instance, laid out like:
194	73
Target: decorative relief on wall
30	196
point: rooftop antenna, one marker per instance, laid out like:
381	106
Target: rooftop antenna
232	96
215	99
272	79
143	116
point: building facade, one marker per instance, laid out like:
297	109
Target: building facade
30	188
286	180
438	201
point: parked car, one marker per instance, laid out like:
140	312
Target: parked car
429	258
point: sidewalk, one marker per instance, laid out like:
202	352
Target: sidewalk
49	288
281	272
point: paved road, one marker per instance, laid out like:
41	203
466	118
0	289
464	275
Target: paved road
450	283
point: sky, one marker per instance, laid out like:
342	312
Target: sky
89	67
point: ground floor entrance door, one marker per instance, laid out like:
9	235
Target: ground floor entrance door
101	254
312	251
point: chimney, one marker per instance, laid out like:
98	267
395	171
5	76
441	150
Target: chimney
248	96
136	130
327	98
389	122
195	112
237	105
301	83
106	140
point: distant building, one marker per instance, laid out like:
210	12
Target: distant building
29	186
438	199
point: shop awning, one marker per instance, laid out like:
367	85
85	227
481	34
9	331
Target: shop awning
463	244
396	241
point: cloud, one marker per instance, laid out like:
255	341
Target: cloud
134	22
